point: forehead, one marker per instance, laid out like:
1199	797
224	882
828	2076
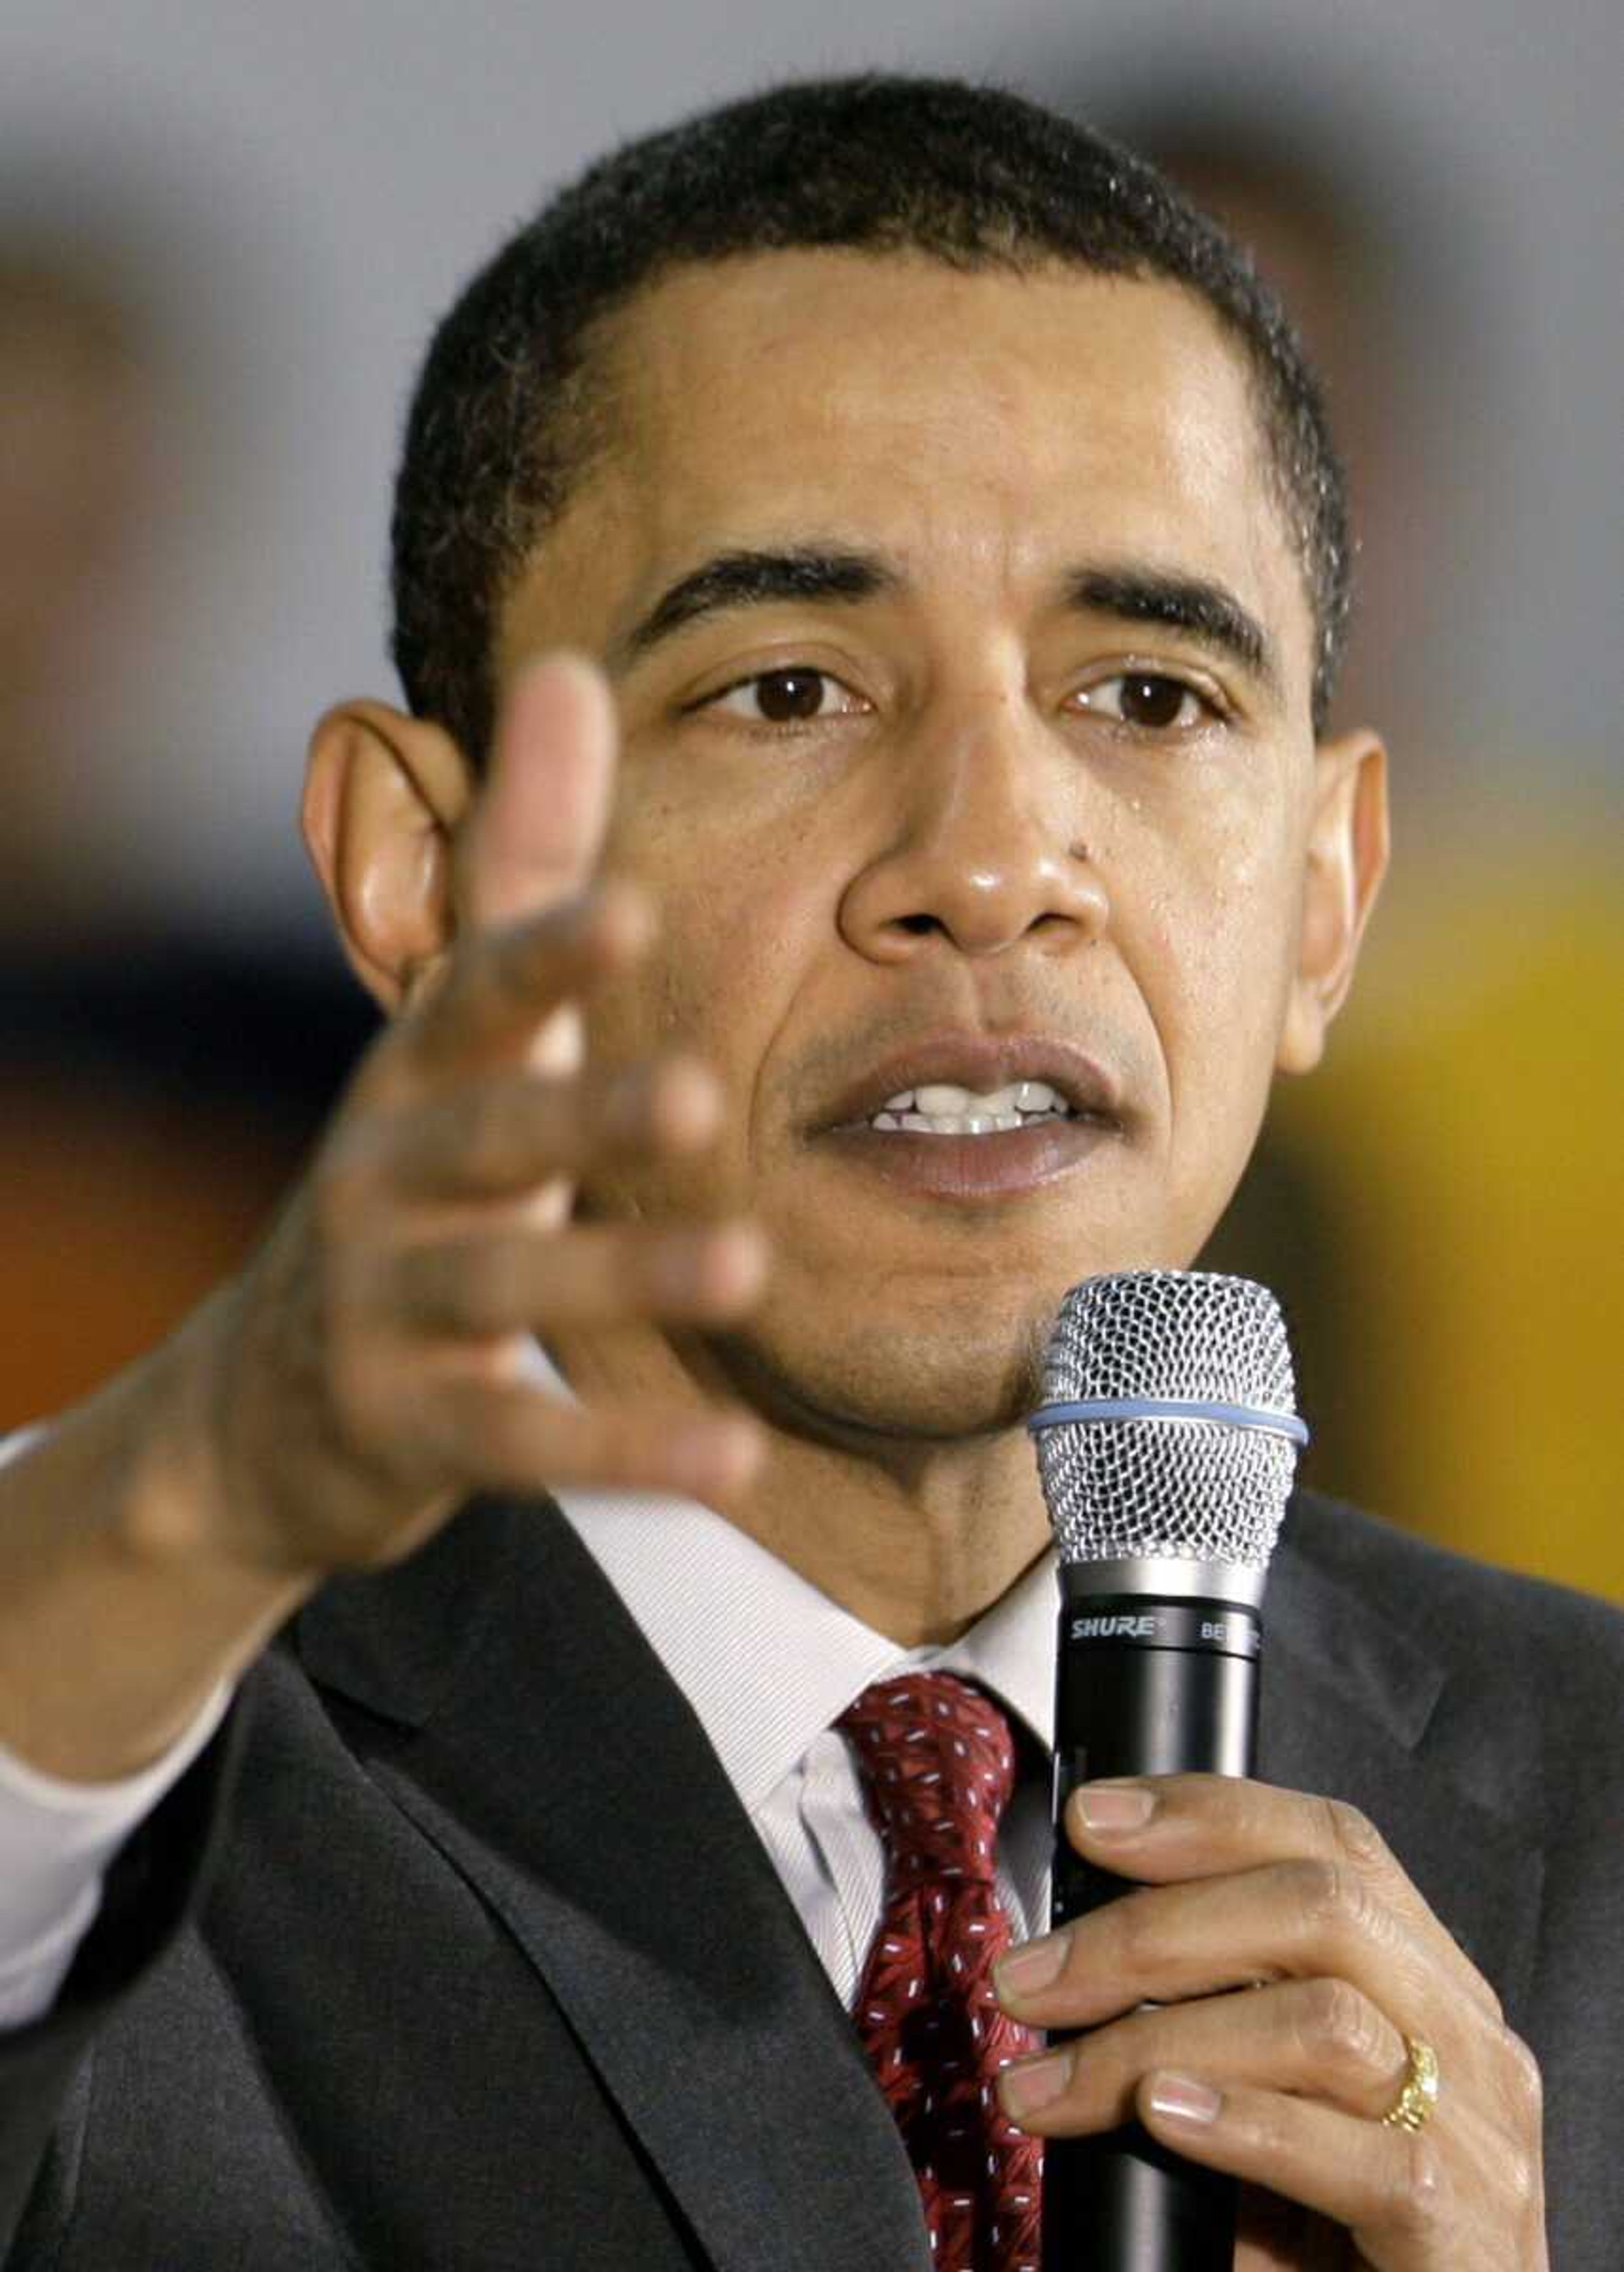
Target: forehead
984	424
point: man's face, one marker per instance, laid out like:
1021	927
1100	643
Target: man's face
997	743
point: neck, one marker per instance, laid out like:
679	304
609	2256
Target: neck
915	1536
916	1556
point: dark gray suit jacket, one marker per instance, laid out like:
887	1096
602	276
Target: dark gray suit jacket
456	1949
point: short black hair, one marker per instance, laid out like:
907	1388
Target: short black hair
504	417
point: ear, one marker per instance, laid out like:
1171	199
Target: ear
383	797
1345	861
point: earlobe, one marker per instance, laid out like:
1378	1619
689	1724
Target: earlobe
1346	859
384	796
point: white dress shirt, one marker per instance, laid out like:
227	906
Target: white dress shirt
767	1664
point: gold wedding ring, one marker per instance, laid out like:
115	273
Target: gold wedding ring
1412	2108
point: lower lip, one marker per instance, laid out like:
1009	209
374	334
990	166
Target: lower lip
969	1168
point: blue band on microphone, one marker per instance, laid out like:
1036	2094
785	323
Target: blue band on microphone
1161	1407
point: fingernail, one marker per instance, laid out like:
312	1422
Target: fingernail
1108	1806
1026	1971
622	917
1024	2089
687	1102
715	1456
1182	2099
717	1267
748	1258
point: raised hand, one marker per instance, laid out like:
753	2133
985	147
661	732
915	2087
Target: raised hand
377	1363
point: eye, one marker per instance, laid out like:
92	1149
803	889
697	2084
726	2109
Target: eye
1148	700
795	696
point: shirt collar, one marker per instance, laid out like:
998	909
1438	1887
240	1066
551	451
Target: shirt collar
767	1661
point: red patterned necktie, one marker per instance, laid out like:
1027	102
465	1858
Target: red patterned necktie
938	1763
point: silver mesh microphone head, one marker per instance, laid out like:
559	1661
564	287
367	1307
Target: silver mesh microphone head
1180	1487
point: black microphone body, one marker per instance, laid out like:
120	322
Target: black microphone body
1166	1440
1155	1681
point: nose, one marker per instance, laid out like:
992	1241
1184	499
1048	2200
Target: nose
983	847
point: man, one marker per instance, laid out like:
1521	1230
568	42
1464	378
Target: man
955	528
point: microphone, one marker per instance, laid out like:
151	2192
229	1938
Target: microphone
1166	1442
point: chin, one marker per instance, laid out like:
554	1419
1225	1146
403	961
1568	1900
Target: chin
858	1373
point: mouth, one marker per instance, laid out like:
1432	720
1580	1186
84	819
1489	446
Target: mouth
975	1118
1002	1164
944	1108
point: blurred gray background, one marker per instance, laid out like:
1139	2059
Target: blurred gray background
309	181
286	197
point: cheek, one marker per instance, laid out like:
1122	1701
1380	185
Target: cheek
737	918
1212	938
731	867
738	926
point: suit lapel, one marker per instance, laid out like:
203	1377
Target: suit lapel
1355	1705
560	1770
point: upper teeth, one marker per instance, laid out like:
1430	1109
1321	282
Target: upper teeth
944	1108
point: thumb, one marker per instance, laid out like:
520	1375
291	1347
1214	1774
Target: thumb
536	834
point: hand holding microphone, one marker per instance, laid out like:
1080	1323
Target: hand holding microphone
1242	1984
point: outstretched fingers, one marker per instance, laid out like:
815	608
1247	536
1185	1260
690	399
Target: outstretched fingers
536	836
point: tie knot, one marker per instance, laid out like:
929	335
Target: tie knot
937	1762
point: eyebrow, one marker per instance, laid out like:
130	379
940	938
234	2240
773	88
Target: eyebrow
1204	612
1202	609
754	579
